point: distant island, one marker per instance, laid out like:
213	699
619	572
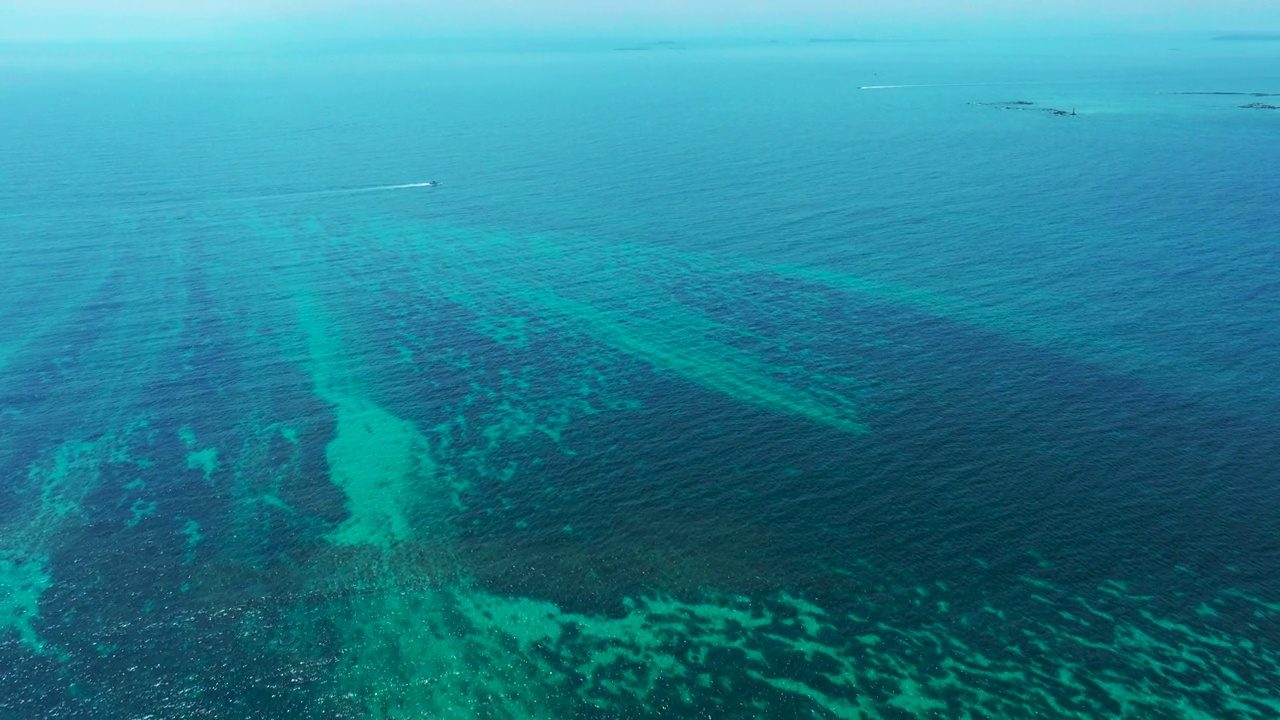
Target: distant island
1231	92
837	40
1028	105
1246	37
659	45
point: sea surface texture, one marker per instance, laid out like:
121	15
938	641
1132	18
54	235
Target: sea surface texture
791	380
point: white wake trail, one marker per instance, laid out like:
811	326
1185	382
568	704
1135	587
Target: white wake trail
331	193
178	204
891	87
375	188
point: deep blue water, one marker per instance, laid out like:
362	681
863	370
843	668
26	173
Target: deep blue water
706	384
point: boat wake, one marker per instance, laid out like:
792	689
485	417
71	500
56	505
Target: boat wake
891	87
247	199
375	188
338	191
430	183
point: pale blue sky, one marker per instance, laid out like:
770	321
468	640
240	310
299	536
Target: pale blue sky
142	19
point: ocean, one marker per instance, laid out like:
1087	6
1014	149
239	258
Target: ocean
713	380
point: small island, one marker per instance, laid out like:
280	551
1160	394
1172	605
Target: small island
1250	37
1229	92
659	45
1028	105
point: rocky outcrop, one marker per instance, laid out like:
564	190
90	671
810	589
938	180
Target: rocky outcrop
1028	105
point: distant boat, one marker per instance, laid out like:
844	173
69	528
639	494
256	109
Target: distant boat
431	183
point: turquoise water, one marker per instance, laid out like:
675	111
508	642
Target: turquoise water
706	384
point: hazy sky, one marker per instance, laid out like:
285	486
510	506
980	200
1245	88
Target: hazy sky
99	19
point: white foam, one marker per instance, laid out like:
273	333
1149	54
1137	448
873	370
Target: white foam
331	193
375	188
